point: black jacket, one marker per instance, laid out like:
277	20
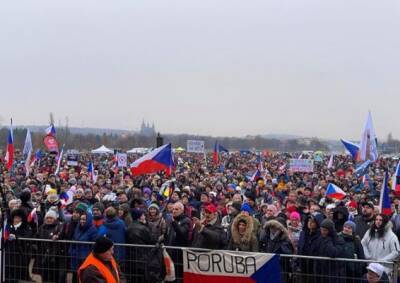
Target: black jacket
212	236
362	225
139	233
178	232
281	244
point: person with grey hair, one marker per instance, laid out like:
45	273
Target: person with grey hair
178	230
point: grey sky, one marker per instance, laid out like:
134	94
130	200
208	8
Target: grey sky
223	67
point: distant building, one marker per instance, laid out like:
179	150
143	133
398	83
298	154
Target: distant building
146	130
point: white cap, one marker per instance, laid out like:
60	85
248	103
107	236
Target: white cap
376	268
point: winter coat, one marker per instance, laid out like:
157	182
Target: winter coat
248	242
139	233
294	235
330	246
211	236
309	241
280	244
386	248
79	252
47	250
340	222
114	229
362	225
18	251
178	231
352	248
157	226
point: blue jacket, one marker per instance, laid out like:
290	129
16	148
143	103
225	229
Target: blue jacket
114	229
79	252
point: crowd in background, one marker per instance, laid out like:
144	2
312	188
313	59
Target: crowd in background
203	205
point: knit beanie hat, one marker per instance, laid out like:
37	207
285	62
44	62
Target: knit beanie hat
246	207
102	244
295	215
154	205
350	224
81	207
99	206
51	213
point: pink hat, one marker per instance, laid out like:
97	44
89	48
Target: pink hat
294	216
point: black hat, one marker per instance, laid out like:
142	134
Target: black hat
102	244
368	203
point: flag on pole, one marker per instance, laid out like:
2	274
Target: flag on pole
330	163
33	217
10	148
351	147
385	205
92	173
222	149
335	192
362	169
59	161
157	160
368	146
28	151
256	175
51	130
396	180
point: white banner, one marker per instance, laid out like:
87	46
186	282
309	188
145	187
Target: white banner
301	165
195	146
122	159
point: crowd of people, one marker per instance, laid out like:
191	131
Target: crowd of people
202	205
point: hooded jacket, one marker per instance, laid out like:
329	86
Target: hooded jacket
275	243
87	233
247	242
386	248
309	241
114	229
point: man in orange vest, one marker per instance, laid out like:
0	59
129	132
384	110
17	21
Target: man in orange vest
100	265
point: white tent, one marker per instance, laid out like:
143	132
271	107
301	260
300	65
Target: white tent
140	150
102	149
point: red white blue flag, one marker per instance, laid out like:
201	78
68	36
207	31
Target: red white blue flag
160	159
10	149
335	192
385	205
230	267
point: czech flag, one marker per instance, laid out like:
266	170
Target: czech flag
33	217
91	172
256	176
51	130
10	148
351	147
396	180
158	160
230	267
384	200
335	192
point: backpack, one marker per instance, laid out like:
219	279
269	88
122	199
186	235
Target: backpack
155	268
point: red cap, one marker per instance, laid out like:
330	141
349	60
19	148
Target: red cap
210	208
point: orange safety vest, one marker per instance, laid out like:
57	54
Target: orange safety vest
103	269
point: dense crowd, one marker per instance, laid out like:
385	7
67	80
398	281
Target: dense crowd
204	205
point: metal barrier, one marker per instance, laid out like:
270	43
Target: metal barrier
38	260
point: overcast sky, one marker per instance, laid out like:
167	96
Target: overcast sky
223	68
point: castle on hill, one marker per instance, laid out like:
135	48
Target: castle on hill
147	130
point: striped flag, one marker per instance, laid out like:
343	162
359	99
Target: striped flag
385	205
10	148
368	146
60	155
28	151
330	163
396	180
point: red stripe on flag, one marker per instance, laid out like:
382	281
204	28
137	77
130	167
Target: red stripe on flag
200	278
147	167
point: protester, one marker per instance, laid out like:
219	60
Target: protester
100	265
243	238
